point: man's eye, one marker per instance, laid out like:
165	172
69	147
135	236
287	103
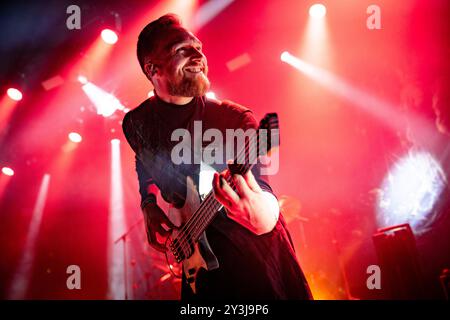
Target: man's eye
181	50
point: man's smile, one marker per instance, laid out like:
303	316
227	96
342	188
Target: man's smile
194	70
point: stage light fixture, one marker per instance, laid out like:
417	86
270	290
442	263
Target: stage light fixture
284	56
410	192
75	137
14	94
211	95
105	103
109	36
82	79
7	171
317	10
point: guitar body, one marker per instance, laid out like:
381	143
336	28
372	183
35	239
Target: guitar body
199	252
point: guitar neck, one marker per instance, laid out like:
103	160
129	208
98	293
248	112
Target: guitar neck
210	207
256	145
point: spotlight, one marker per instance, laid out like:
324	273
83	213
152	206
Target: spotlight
317	10
284	56
410	192
109	36
105	103
82	79
7	171
75	137
211	95
14	94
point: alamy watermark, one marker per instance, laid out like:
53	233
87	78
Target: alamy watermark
74	280
251	146
373	21
374	280
73	21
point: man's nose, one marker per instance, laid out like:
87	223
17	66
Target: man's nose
197	54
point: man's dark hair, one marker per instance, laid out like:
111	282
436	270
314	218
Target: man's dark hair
152	34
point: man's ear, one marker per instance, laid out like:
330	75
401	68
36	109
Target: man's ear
150	70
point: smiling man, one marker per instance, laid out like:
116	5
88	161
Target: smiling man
248	238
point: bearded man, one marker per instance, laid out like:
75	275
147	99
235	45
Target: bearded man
249	239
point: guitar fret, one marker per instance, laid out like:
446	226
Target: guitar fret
209	208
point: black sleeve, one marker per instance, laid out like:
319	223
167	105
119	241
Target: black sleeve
144	177
145	184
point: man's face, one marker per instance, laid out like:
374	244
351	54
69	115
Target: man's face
183	67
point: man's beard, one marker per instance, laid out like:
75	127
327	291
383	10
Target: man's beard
189	87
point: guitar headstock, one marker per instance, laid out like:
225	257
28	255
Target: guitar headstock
267	138
271	124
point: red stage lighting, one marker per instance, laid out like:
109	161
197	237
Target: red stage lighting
317	10
14	94
75	137
7	171
109	36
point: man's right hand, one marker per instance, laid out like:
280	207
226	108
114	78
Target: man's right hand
154	219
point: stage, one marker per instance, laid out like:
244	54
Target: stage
362	170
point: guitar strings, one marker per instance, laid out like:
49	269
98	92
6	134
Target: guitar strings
246	151
198	220
205	219
193	222
241	169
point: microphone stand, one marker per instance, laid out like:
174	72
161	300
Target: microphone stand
124	239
